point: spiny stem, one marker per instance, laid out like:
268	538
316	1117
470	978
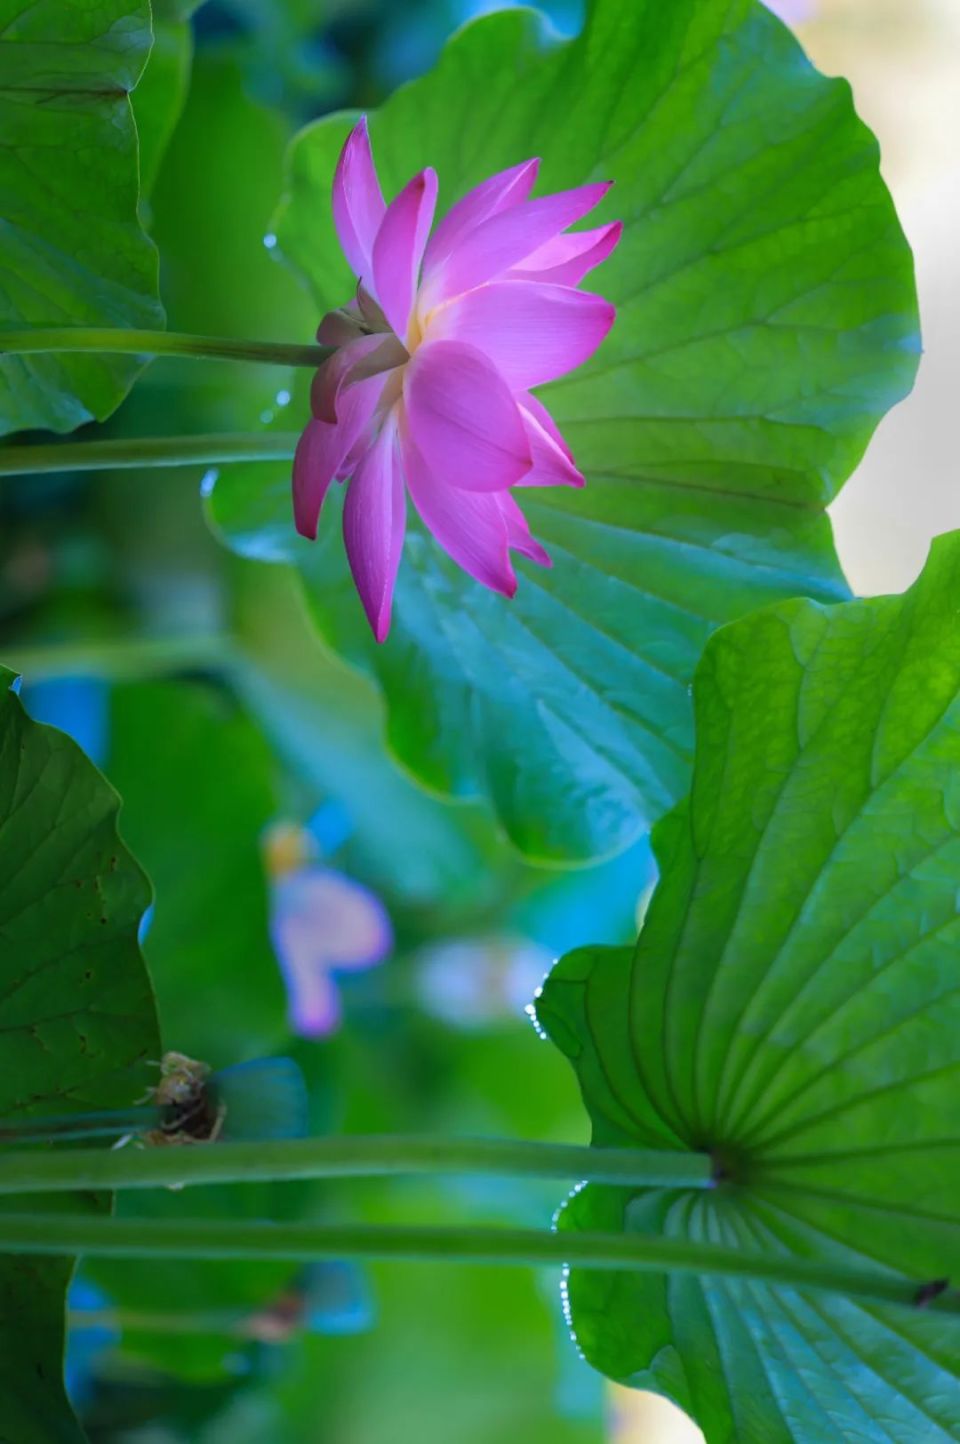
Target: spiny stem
349	1157
159	343
148	451
230	1239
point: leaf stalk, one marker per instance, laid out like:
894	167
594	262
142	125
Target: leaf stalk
359	1156
147	451
231	1239
159	343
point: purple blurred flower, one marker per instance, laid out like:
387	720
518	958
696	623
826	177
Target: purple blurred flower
321	923
480	982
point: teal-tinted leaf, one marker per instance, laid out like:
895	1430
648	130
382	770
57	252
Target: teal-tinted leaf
766	319
793	1006
265	1098
76	1014
71	249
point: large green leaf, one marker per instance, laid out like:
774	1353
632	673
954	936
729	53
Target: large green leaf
71	249
766	320
793	1006
76	1014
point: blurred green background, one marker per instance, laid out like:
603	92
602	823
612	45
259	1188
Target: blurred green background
247	758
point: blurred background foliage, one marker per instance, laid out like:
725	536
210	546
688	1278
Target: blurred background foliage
180	669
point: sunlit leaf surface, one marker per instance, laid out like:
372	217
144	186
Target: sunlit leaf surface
766	320
792	1006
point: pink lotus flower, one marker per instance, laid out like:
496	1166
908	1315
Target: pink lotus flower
430	389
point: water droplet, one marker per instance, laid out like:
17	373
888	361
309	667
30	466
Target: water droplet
565	1277
270	240
145	922
266	417
531	1013
208	481
283	398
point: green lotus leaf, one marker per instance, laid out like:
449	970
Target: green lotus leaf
793	1008
766	321
72	252
77	1023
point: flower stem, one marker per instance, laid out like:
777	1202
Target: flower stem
160	343
365	1155
230	1239
120	657
147	451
